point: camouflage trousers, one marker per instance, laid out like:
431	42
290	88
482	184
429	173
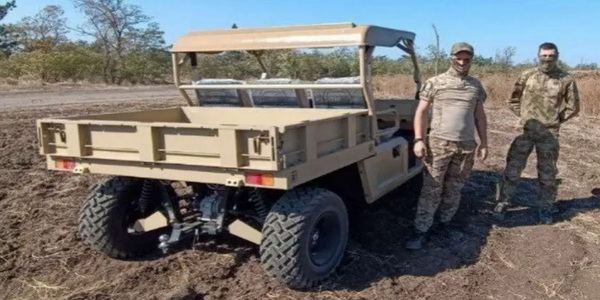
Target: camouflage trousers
447	167
547	149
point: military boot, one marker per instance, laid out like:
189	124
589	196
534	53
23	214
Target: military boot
453	230
499	212
417	241
547	198
545	216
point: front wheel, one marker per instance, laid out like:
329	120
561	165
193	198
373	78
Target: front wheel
304	236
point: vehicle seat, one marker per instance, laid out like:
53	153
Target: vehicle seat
338	98
279	98
222	97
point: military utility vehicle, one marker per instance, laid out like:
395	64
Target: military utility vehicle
274	161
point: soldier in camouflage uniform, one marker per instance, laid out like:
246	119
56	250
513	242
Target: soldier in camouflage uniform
450	148
543	98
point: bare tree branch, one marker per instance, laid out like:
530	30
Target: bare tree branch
112	23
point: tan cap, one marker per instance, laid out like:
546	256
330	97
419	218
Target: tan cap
462	46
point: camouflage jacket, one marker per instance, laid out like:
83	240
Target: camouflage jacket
549	98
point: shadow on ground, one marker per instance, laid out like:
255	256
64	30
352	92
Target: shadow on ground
377	248
379	232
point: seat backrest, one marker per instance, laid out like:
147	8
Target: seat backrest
222	97
338	98
278	97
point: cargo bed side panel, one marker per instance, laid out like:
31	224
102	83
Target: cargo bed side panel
217	146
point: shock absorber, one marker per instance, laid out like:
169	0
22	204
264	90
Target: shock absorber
258	200
145	197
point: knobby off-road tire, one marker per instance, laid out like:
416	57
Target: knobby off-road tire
105	214
304	237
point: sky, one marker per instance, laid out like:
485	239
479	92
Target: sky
490	26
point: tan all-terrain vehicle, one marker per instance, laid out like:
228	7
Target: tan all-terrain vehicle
275	161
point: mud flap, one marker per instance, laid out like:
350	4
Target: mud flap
245	231
152	222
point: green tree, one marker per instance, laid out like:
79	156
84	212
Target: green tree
587	66
44	31
340	63
147	60
504	58
112	24
7	41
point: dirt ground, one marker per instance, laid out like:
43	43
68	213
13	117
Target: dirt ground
41	258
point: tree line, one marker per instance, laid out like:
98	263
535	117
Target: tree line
125	46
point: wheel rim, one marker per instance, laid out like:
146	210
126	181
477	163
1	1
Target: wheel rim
325	238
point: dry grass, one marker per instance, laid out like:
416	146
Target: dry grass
498	87
47	261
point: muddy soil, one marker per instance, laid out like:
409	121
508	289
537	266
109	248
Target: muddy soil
41	257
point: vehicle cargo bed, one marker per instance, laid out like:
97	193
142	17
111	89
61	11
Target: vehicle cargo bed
228	137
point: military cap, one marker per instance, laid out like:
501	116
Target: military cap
462	46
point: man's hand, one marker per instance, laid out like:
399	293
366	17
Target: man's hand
420	149
482	152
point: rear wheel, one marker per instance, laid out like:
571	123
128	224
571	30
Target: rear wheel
106	221
304	236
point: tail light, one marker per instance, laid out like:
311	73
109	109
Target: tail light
65	164
260	179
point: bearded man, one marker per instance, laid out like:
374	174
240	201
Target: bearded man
450	148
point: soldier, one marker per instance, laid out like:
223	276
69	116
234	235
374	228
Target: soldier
449	151
543	98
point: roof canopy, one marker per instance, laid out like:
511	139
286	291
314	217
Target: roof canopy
287	37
